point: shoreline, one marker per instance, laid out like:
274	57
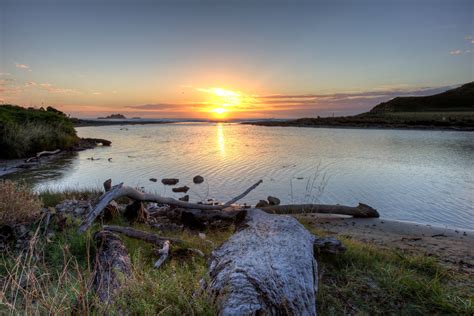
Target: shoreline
452	247
377	127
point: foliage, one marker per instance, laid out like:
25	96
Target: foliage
24	132
53	276
17	203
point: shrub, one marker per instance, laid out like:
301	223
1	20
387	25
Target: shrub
24	132
17	203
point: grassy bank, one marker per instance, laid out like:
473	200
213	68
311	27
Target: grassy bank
52	276
24	132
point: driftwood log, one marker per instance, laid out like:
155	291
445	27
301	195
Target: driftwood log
266	268
121	190
43	153
361	210
112	266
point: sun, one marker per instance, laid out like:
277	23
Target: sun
222	102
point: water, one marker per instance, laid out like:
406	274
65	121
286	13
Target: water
418	176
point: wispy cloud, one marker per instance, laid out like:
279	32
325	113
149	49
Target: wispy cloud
455	52
5	74
51	88
22	66
159	107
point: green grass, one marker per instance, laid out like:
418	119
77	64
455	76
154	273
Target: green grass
364	280
24	132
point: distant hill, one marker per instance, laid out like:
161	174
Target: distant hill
454	100
113	116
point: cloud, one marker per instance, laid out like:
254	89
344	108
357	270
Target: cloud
50	88
22	66
96	93
157	106
5	74
455	52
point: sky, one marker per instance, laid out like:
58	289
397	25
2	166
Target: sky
230	59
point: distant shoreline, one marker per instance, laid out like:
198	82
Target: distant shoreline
103	122
338	125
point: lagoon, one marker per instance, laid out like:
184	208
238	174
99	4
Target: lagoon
425	177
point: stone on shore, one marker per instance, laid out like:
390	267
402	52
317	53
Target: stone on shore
184	198
262	203
273	200
169	181
181	189
198	179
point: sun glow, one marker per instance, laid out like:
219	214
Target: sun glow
222	102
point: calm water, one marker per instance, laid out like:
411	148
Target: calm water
419	176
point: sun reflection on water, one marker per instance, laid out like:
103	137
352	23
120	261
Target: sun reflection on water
221	139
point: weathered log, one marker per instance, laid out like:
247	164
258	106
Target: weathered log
361	210
267	268
200	219
43	153
138	234
112	266
120	190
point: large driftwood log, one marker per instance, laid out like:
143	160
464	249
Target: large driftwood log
361	210
121	190
112	267
267	268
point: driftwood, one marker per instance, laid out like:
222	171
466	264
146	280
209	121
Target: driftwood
112	267
138	234
164	252
43	153
361	210
265	268
121	190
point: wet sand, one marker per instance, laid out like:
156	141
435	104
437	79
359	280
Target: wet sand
453	248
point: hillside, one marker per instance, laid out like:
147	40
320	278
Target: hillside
24	132
454	100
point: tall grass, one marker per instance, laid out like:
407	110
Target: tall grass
17	203
22	140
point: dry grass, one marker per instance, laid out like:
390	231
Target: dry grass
17	203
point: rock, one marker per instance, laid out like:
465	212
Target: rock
198	179
153	179
169	181
184	198
262	203
273	200
181	189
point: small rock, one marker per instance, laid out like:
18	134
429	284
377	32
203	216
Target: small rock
184	198
261	203
169	181
202	235
181	189
153	179
198	179
273	200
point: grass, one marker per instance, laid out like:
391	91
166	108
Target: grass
52	276
24	132
17	203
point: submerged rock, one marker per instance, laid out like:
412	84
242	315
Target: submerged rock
181	189
169	181
198	179
184	198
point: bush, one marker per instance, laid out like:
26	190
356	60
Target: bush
17	203
24	132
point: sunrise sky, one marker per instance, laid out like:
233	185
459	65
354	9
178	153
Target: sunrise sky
230	59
